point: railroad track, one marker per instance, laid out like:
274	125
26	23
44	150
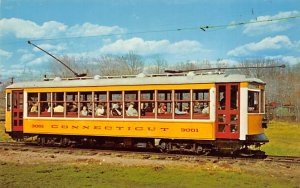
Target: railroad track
150	155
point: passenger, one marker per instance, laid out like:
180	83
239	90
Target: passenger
205	109
58	108
34	108
178	112
131	110
84	111
116	111
100	110
162	108
73	108
143	109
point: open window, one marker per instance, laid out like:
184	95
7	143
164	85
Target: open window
100	104
8	102
182	104
116	104
58	104
86	105
131	104
72	104
147	104
45	104
32	104
201	104
253	101
164	104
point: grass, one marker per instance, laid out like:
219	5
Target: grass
95	175
3	135
284	139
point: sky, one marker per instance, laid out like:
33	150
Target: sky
169	29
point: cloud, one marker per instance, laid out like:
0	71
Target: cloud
267	27
277	42
26	57
39	61
5	54
28	29
142	47
50	47
88	29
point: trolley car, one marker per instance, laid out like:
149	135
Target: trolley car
187	112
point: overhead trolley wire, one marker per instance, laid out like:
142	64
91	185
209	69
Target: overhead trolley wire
203	28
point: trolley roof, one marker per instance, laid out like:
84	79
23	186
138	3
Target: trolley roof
141	79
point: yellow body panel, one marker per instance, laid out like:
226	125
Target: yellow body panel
8	122
123	88
244	84
255	124
122	128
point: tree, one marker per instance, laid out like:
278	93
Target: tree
158	66
133	63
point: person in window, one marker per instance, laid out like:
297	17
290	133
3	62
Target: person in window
34	108
162	108
100	110
178	112
205	109
131	110
73	107
116	111
58	108
143	109
84	111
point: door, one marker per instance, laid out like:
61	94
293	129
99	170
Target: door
17	112
228	111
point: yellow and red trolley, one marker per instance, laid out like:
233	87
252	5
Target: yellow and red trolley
195	112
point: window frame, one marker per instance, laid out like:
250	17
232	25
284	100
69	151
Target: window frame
30	104
258	100
148	114
86	100
112	102
8	102
164	109
48	112
96	100
181	101
134	101
203	100
58	102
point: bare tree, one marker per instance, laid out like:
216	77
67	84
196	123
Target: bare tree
157	66
133	63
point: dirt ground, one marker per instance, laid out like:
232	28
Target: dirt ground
290	171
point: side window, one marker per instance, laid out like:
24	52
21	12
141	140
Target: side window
200	104
45	104
182	104
100	103
147	104
131	104
58	104
86	105
32	104
164	104
253	101
262	101
72	104
8	104
116	104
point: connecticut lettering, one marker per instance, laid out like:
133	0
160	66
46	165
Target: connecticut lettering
108	128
